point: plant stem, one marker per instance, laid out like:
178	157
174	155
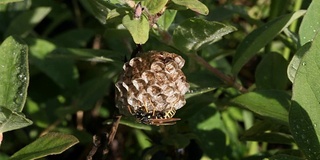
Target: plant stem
226	79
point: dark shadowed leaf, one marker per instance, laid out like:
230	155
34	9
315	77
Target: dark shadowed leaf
260	37
49	144
271	72
60	70
26	21
195	33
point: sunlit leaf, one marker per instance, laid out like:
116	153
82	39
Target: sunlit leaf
9	1
304	113
138	28
310	24
272	104
295	61
10	120
194	5
153	7
14	74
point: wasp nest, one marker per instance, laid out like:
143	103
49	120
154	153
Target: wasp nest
152	87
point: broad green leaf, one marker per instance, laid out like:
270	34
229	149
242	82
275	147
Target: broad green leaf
304	113
92	55
207	124
166	19
117	12
295	61
9	1
195	33
62	71
142	139
260	37
10	120
154	7
49	144
196	6
310	24
138	28
271	72
26	21
14	74
74	38
271	104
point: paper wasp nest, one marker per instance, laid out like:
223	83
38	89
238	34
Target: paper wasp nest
152	87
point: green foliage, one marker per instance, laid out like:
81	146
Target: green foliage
253	68
51	143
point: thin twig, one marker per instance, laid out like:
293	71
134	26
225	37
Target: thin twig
96	145
226	79
112	132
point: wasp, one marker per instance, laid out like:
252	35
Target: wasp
157	117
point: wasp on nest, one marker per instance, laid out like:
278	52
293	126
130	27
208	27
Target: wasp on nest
152	87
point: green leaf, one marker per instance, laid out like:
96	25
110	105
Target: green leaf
271	72
195	33
177	140
138	28
98	8
206	122
62	71
194	5
310	23
49	144
272	104
260	38
92	55
154	7
266	131
116	13
166	19
74	38
14	74
26	21
130	122
304	113
295	61
10	120
9	1
197	92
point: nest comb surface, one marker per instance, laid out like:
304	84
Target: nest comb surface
151	83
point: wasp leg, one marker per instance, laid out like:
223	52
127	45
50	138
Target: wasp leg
158	122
